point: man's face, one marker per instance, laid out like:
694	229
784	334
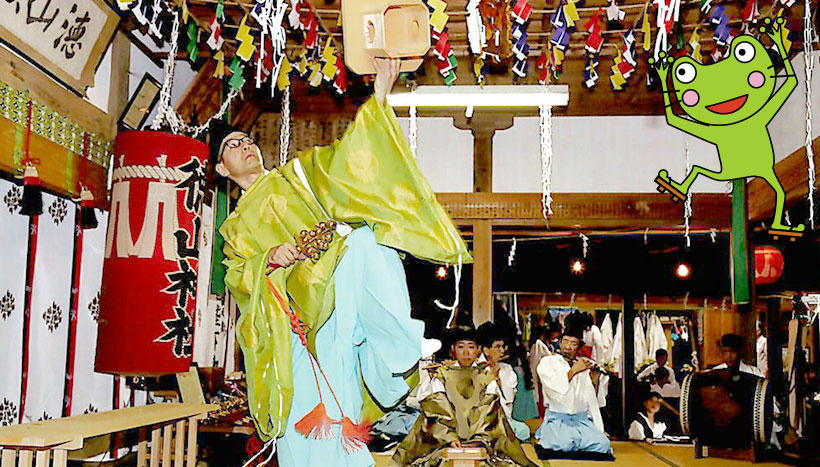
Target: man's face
240	156
662	360
569	346
730	356
495	352
465	352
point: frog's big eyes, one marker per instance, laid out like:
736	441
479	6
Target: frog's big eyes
744	52
685	72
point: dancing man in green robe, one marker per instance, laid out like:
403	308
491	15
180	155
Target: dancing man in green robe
323	336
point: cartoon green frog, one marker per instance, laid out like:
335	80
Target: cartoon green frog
729	103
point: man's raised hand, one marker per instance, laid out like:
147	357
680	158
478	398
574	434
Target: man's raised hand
284	255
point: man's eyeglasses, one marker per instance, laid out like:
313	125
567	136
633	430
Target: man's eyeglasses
234	143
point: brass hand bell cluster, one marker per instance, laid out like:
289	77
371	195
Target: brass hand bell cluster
313	242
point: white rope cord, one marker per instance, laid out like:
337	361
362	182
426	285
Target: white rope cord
687	205
808	37
165	91
584	243
284	129
545	129
273	450
452	309
148	171
413	130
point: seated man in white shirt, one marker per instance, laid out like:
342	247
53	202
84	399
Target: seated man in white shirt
572	422
494	349
731	350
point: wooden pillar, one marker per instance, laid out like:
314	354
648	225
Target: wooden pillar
742	280
120	65
628	359
483	127
482	271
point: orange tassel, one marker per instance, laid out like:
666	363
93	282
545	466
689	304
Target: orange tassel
354	436
316	424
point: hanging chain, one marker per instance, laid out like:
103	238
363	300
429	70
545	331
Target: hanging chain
545	128
284	129
165	111
808	37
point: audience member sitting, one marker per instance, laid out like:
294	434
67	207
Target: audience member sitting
494	348
731	350
645	427
460	407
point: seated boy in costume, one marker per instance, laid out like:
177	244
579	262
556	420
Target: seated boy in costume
572	422
494	351
322	320
460	407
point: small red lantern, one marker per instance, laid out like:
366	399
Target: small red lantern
768	265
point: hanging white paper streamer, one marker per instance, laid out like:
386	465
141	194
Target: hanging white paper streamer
584	244
687	205
14	234
545	130
91	391
50	304
808	59
284	129
413	130
203	324
511	256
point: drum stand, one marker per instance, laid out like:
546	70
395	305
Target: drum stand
750	454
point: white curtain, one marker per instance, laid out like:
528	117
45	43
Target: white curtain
93	392
14	236
50	304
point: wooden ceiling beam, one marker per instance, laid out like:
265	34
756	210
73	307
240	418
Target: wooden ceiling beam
793	173
587	210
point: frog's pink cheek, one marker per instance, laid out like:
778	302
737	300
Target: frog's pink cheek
756	79
690	97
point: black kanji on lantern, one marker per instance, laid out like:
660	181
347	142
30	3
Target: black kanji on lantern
183	283
193	184
179	332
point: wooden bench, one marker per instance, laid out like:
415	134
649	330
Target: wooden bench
173	435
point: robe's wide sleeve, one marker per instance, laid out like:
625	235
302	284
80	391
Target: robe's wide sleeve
262	329
370	177
553	375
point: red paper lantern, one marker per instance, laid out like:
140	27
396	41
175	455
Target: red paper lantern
149	279
768	265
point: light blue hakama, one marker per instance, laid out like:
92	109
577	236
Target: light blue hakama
369	337
570	433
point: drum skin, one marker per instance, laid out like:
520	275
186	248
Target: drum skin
724	409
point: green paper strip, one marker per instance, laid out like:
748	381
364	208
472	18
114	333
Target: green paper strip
220	10
192	48
218	255
18	146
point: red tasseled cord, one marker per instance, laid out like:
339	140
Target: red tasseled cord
354	436
316	424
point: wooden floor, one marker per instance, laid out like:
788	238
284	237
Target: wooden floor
629	453
645	455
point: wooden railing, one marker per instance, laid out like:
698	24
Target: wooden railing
173	436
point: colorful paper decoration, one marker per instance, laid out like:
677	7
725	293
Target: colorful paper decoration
283	80
438	16
215	40
646	31
750	11
329	69
237	74
445	58
193	38
246	46
219	71
542	65
595	40
590	75
521	50
614	12
694	42
340	83
721	21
